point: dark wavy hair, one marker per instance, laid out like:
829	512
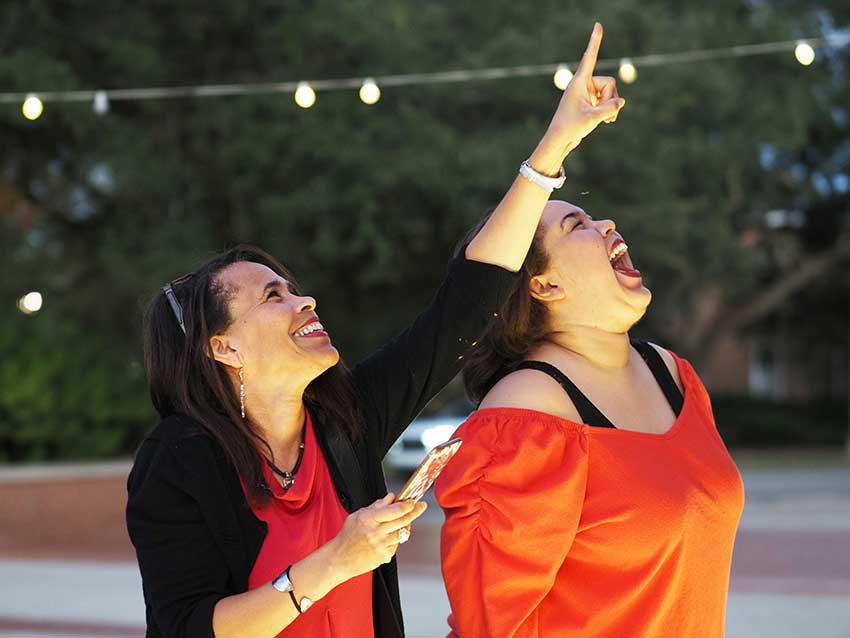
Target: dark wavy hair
521	324
184	377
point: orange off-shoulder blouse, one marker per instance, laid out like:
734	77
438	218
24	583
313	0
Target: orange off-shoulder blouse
558	529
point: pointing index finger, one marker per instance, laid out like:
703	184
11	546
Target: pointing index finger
588	60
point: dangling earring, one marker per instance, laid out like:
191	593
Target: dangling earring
242	392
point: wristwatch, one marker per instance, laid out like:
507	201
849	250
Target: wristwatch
283	584
543	181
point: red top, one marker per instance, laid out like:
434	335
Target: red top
300	520
560	529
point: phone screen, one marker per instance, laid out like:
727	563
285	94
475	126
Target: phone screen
428	471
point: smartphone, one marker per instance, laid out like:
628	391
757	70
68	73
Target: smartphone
428	471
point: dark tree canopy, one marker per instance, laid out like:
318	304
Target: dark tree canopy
366	203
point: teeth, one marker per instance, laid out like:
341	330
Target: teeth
618	252
308	329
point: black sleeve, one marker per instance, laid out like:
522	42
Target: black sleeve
183	572
399	379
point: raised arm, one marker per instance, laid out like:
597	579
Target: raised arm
398	380
587	101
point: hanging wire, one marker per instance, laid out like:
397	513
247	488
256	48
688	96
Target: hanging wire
409	79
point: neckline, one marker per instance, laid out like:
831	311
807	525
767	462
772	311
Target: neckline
290	476
299	492
684	375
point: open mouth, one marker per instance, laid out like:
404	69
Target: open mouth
312	329
620	260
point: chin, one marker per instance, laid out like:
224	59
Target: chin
642	303
324	362
643	297
637	303
331	357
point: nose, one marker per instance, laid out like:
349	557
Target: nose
306	304
605	227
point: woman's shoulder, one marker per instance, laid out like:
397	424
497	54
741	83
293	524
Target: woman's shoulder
671	360
173	428
524	406
530	389
177	442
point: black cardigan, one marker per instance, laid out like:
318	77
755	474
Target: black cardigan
195	535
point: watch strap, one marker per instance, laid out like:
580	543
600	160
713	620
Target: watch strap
543	181
295	601
284	584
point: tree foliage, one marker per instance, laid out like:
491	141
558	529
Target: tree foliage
366	203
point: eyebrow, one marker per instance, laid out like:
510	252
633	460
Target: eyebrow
571	214
274	284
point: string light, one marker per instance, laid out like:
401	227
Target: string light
562	76
305	96
32	107
627	72
30	303
369	92
100	104
804	53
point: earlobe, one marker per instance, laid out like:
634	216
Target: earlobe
545	291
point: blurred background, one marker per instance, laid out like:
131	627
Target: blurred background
728	174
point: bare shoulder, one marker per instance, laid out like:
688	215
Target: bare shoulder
670	362
531	390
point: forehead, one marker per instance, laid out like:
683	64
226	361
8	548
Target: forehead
247	277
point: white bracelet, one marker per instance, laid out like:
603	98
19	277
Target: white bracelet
546	183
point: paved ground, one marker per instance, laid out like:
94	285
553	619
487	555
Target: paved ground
790	573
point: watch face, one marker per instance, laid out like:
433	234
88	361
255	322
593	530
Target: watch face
282	583
305	604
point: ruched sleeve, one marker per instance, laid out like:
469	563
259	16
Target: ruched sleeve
512	498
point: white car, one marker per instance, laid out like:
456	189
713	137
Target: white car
418	439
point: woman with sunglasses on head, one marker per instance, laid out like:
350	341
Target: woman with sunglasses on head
592	496
258	506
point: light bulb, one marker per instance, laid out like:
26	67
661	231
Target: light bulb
628	72
370	92
32	108
100	103
562	76
305	96
30	303
804	53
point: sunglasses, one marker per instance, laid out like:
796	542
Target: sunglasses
176	308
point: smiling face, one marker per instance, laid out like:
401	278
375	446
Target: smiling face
275	333
591	280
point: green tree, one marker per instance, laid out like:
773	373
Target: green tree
366	203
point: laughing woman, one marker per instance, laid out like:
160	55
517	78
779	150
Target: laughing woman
592	496
257	505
